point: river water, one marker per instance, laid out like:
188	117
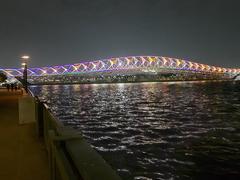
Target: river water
182	130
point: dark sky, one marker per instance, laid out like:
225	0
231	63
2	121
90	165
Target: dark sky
67	31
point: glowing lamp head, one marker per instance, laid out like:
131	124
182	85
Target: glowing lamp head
25	57
24	64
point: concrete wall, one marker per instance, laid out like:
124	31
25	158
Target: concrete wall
26	109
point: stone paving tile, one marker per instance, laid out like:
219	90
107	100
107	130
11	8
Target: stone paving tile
22	154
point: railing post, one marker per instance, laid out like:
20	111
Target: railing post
52	160
39	117
45	128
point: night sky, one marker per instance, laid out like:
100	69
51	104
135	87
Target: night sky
56	32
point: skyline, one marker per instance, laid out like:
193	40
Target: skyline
72	31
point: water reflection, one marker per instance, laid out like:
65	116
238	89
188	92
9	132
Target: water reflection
156	130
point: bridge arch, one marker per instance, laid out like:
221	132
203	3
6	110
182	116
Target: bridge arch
131	63
237	77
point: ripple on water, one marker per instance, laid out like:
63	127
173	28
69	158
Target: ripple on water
156	130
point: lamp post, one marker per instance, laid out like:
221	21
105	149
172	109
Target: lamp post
24	64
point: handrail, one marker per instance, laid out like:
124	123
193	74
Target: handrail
31	93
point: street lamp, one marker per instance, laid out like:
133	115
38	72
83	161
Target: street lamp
25	59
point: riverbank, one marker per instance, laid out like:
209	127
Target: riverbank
22	155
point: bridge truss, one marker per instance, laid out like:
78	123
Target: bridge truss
132	63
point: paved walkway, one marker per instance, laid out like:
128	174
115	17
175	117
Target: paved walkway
22	154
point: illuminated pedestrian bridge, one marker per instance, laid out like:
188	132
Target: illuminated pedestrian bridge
143	67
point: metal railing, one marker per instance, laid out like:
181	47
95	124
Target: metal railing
70	156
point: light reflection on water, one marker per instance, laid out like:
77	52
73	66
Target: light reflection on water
156	130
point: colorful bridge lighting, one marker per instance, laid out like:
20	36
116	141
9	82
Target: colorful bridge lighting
135	63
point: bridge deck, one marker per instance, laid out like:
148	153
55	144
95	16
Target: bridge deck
22	154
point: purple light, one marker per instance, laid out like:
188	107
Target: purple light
140	63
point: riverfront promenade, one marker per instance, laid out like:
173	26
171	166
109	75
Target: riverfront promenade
22	154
